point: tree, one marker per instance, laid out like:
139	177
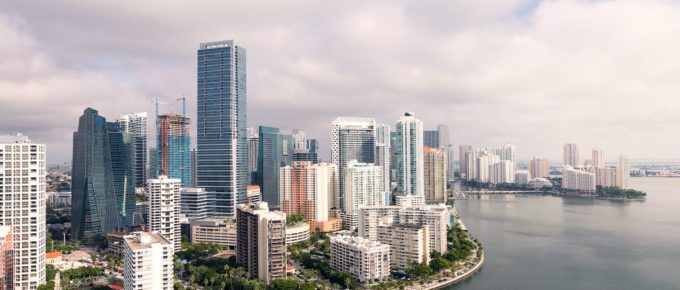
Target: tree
418	270
439	264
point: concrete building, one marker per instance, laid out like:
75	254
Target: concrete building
578	180
261	241
174	148
383	158
623	172
464	160
309	189
148	262
23	204
367	261
435	175
409	243
116	243
522	177
363	187
297	233
450	151
409	200
598	158
254	194
410	161
502	171
6	258
217	231
538	167
194	203
165	208
605	177
58	199
435	217
571	155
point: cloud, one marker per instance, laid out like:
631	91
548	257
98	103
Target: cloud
533	73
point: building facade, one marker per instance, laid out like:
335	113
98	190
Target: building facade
165	208
409	243
383	158
435	175
598	158
367	261
121	148
135	125
363	187
148	262
308	189
571	155
214	231
623	172
194	203
464	160
410	167
578	180
261	241
174	148
538	167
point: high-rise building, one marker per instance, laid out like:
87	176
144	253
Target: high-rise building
382	157
135	125
435	175
23	203
194	203
409	243
538	167
578	180
464	161
363	187
193	167
598	157
367	261
174	144
410	173
148	262
623	172
165	208
261	241
605	177
304	149
221	165
502	171
94	208
307	189
450	151
153	163
393	159
122	147
444	140
431	138
253	150
351	139
6	257
509	153
571	155
269	159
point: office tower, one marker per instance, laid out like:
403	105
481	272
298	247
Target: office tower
253	151
435	217
148	262
351	139
261	241
382	157
6	257
174	144
435	175
393	158
598	158
443	131
269	159
538	167
623	172
135	125
409	243
464	161
304	149
23	203
431	138
193	167
367	261
165	208
221	163
450	151
122	150
363	187
194	203
153	163
571	155
410	173
307	189
502	171
578	180
216	231
94	208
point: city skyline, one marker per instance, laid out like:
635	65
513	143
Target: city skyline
458	78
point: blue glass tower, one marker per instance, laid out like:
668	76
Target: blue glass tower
222	148
269	161
122	149
174	142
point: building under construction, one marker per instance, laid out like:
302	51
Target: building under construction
174	152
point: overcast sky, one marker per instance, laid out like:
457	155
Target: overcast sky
533	73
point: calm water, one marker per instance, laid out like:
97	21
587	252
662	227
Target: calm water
545	242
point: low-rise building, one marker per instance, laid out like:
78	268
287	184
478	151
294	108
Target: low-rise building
367	261
214	230
148	262
58	199
297	233
194	203
409	200
578	180
522	177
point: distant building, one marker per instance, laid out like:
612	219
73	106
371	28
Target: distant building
148	262
409	243
270	159
58	199
539	183
382	158
194	203
165	208
623	172
435	175
598	158
502	171
410	166
304	149
121	148
450	151
253	151
571	155
431	138
538	167
605	177
174	142
409	200
153	163
253	195
261	241
464	160
367	261
217	231
578	180
135	125
522	177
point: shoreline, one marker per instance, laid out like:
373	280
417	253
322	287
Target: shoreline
454	280
555	194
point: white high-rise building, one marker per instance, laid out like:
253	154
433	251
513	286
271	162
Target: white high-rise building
598	157
409	155
623	172
22	172
165	195
538	167
367	261
135	125
148	262
502	172
465	162
571	155
578	180
382	156
363	187
509	153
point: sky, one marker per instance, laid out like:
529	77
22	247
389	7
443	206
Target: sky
533	73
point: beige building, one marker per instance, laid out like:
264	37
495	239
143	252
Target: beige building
538	167
435	175
214	230
261	241
571	155
148	262
578	180
367	261
598	158
408	243
605	177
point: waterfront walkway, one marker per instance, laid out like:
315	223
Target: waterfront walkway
448	281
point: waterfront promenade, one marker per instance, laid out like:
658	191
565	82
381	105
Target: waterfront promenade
448	281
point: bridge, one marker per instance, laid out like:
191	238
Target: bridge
464	194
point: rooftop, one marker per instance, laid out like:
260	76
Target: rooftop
15	138
143	240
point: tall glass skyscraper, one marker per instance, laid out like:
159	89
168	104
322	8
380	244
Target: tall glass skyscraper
431	138
94	206
221	159
269	161
122	150
135	125
409	155
174	142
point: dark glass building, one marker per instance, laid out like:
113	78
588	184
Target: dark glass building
269	161
221	159
174	141
431	138
122	149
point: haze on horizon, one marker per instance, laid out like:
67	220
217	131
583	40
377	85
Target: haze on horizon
533	73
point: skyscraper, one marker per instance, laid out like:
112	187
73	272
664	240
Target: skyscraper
23	203
443	135
122	150
261	241
538	167
304	149
435	175
410	174
269	160
623	172
221	124
135	125
153	163
598	157
174	143
431	138
363	187
464	162
571	155
94	207
253	150
351	139
450	162
165	208
308	188
383	158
